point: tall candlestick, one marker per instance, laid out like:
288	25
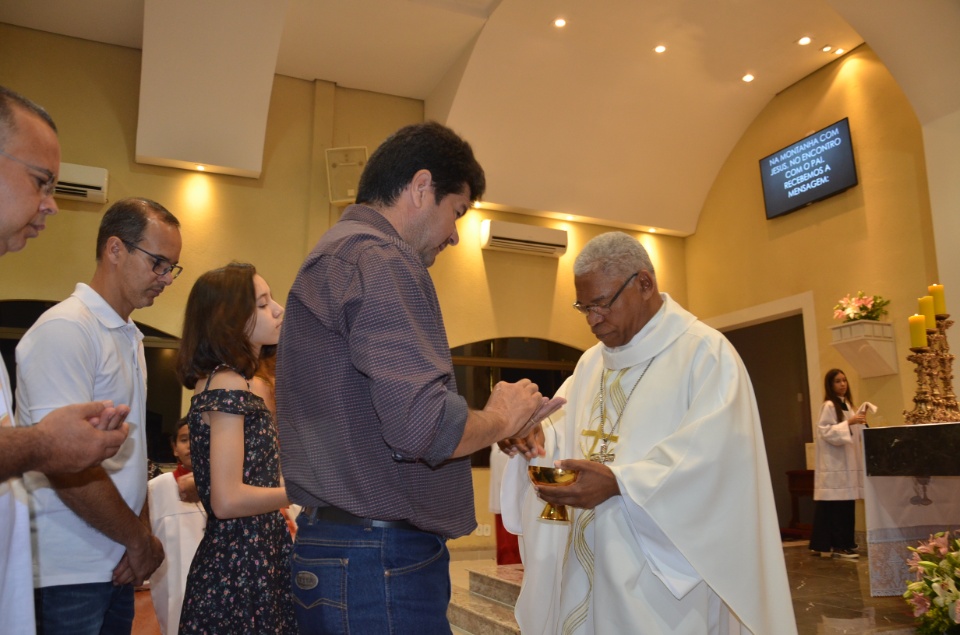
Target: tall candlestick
926	310
939	302
918	331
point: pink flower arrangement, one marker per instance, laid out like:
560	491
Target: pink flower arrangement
860	307
934	596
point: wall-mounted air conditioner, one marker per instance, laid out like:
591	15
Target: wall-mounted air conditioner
82	183
500	235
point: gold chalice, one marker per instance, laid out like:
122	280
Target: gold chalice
553	477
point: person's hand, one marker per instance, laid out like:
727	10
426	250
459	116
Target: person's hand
516	404
111	418
139	562
529	446
188	489
860	418
595	485
75	437
532	445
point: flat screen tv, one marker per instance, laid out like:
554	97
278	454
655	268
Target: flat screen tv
810	170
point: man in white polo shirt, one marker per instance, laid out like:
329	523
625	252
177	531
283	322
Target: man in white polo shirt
91	530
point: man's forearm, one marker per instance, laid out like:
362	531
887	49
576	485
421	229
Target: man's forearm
481	431
92	496
21	450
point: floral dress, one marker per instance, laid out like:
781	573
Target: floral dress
239	581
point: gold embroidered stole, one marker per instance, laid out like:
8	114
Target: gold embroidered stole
582	519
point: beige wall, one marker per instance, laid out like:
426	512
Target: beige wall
92	91
876	237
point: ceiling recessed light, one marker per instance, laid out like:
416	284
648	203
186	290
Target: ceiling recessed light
559	22
653	230
804	41
569	217
827	48
838	52
660	49
748	77
201	168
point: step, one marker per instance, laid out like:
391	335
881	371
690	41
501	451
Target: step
486	606
477	615
497	582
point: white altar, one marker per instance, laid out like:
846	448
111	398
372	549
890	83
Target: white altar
911	490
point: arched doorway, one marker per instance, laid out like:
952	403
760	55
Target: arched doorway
478	367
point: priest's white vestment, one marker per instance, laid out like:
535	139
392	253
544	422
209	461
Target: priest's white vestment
692	544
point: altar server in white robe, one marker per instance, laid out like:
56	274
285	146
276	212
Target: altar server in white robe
673	527
178	521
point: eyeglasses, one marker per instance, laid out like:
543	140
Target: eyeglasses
45	185
603	309
161	266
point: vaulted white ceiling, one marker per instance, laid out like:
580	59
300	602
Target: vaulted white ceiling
586	120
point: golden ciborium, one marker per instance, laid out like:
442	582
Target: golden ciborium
553	477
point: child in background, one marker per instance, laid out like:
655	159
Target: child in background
179	526
838	479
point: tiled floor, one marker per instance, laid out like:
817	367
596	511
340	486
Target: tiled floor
830	597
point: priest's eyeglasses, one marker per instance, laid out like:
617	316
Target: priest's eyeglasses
161	266
603	309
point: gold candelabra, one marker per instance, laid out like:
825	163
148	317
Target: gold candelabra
934	401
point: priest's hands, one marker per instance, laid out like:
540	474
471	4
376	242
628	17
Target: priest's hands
595	485
530	444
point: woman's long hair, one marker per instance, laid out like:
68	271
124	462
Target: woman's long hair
831	395
216	324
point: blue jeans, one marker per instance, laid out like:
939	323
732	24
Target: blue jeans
354	579
98	608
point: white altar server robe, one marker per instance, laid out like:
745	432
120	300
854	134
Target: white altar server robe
179	527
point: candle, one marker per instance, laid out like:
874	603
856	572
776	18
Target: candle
939	303
926	310
918	331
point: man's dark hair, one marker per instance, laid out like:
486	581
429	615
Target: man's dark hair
127	220
425	146
9	100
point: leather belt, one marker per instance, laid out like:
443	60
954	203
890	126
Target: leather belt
342	517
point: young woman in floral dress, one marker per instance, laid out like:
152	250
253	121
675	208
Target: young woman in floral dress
240	577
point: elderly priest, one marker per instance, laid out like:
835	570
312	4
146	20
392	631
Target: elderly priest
673	527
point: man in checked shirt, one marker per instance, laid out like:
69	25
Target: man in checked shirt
375	441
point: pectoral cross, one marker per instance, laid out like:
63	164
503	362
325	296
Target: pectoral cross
603	457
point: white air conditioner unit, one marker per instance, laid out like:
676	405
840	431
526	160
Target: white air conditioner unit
82	183
500	235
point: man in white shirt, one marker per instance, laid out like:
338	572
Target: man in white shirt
673	527
91	530
65	440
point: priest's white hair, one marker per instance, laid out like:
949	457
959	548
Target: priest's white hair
613	253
